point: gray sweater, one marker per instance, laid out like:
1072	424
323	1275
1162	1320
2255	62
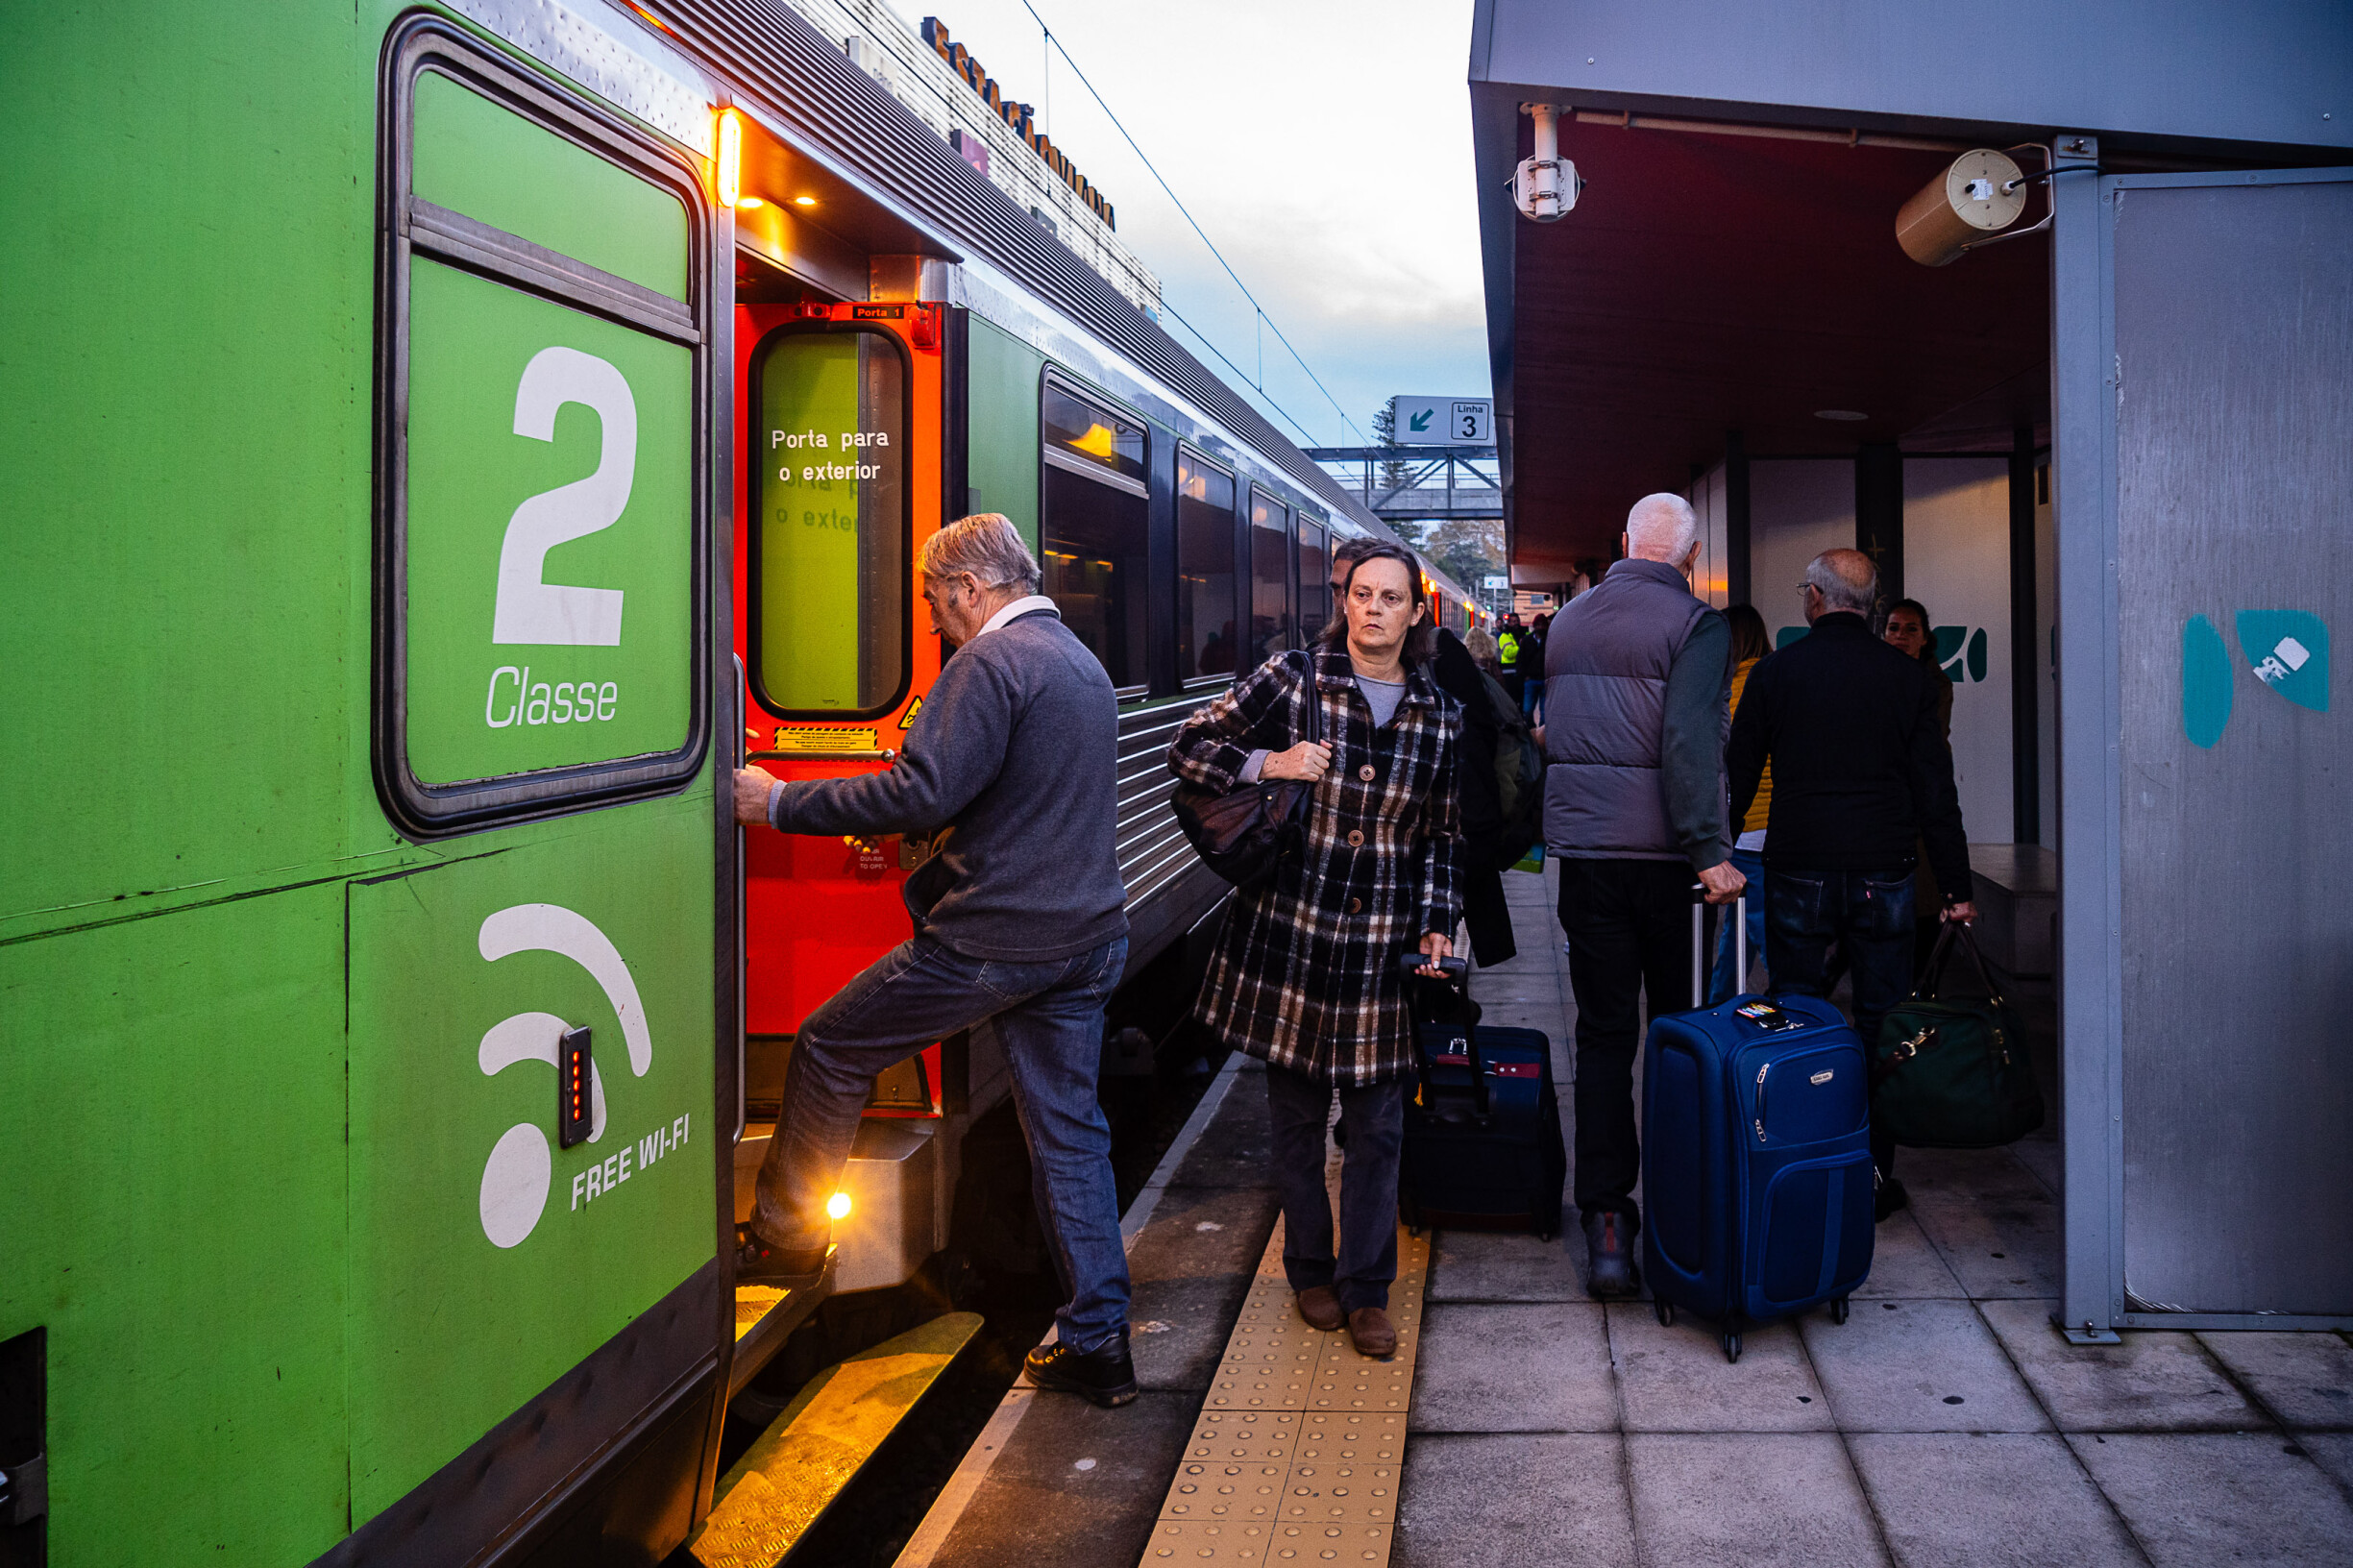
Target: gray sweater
1016	752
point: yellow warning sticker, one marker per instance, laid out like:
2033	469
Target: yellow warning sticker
906	721
808	738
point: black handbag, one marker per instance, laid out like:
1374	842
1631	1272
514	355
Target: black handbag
1244	834
1953	1075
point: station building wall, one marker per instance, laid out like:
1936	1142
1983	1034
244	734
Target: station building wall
1798	508
1956	562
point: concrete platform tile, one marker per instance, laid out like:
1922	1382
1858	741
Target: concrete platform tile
1495	1266
1526	1502
2042	1154
1954	1501
1177	1329
1677	1380
2333	1453
1515	1368
1234	1149
2000	1238
1918	1367
1905	1264
2194	1501
1076	1486
2306	1378
1197	1232
1760	1500
2153	1382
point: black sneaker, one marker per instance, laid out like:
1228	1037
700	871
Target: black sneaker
1610	1274
1104	1374
1889	1197
757	1263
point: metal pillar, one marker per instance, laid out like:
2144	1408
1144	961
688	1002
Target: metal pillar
2091	875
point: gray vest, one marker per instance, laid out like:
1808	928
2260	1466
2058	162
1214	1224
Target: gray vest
1606	665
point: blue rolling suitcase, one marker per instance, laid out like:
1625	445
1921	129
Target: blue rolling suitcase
1482	1145
1755	1159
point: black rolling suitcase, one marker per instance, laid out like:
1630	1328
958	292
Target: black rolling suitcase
1483	1146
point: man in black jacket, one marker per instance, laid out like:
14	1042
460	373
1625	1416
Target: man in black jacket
1861	773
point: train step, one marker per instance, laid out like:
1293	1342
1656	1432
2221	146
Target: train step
795	1470
766	1317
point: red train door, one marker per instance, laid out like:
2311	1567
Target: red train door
841	448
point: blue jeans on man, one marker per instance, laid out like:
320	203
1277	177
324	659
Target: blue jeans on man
1868	914
1723	984
1048	1017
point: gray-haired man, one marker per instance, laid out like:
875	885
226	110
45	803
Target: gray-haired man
1021	931
1637	684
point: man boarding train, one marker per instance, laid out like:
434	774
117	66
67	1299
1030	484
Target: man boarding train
1021	931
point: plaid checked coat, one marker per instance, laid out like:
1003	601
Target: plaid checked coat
1305	974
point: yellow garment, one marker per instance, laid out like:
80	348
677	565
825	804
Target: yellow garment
1762	808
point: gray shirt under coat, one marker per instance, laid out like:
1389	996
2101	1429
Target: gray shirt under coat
1016	750
1637	703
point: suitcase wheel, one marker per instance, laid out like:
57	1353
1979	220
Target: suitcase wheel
1838	1310
1665	1309
1731	1346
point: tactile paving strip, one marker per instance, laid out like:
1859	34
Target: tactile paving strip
1295	1458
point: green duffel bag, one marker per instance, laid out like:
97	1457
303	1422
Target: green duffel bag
1953	1075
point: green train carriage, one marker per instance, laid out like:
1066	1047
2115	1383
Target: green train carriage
371	411
361	707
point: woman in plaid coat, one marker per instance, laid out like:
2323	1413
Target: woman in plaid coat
1305	974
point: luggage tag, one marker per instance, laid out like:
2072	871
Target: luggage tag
1767	1017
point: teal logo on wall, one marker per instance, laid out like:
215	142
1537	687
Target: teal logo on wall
2286	649
1960	650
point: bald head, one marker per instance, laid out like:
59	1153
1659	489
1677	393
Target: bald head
1845	579
1662	527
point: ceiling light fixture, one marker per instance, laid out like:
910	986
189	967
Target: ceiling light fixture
805	201
1846	415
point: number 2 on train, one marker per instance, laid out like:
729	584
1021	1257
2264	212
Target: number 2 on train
530	610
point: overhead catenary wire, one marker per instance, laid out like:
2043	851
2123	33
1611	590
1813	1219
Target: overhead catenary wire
1264	321
1203	340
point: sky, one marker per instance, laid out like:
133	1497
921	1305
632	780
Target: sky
1325	149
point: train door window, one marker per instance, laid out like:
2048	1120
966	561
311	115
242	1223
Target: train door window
1206	633
1270	577
1094	529
539	595
1315	578
829	574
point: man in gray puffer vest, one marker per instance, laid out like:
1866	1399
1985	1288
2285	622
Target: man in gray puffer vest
1637	688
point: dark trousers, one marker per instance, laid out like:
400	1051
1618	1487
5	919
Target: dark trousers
1629	924
1373	1122
1868	914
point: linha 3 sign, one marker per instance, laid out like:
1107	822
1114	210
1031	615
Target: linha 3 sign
2285	650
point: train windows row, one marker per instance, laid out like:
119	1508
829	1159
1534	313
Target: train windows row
1237	601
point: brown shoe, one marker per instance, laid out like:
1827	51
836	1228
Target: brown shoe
1373	1332
1320	1309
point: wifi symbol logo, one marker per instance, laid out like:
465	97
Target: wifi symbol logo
516	1177
2285	650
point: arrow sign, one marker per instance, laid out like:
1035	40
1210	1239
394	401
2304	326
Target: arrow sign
1424	422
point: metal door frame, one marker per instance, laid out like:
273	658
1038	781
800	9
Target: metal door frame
2090	763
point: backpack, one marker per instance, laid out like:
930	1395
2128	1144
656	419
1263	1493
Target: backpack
1519	776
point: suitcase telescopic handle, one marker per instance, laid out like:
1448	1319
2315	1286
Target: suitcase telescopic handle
1454	974
1740	943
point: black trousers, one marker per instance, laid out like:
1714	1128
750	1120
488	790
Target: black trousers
1373	1118
1629	924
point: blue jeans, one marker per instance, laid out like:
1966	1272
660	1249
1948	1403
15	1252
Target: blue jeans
1373	1118
1531	696
1723	984
1869	914
1050	1019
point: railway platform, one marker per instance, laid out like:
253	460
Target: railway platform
1947	1421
